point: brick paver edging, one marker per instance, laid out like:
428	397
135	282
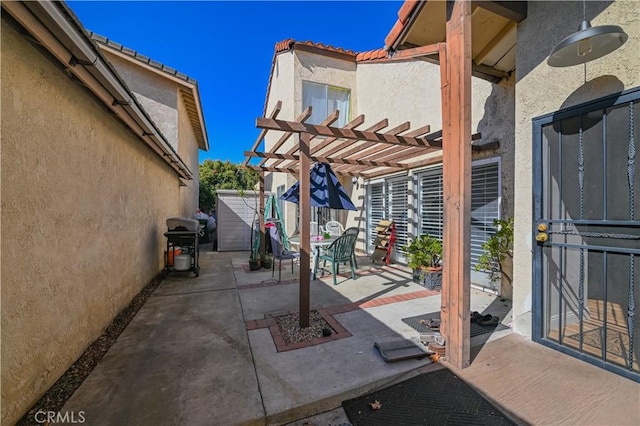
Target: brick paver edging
328	315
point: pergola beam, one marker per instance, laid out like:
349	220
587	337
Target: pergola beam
263	132
352	125
330	160
285	137
318	130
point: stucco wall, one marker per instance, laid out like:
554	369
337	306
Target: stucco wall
84	203
188	152
282	82
157	95
541	90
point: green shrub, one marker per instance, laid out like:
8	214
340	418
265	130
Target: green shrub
423	252
496	249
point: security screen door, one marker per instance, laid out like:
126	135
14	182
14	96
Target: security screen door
586	275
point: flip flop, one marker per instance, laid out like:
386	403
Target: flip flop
489	321
433	324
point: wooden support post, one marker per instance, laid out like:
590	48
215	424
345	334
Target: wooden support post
456	111
305	229
261	215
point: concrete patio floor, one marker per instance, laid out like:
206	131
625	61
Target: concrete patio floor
200	352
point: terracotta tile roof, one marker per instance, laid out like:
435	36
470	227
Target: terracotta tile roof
289	44
405	12
372	55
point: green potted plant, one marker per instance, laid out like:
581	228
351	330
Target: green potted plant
497	258
424	254
255	262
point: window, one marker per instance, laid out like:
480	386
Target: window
485	206
324	100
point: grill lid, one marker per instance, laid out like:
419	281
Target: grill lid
188	224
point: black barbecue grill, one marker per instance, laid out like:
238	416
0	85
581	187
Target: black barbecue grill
182	245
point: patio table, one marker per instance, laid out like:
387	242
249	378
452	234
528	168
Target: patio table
317	242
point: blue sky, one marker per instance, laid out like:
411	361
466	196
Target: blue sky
228	48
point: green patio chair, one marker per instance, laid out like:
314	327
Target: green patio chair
340	251
353	231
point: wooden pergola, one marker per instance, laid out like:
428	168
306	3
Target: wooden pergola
372	153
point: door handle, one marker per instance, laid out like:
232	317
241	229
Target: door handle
542	236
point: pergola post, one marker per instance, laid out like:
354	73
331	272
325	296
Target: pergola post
456	162
305	228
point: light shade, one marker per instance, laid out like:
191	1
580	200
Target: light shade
587	44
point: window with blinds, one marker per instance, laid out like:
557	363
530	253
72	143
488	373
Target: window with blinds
485	195
398	212
375	211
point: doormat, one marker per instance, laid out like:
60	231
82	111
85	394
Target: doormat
399	350
617	342
476	329
435	398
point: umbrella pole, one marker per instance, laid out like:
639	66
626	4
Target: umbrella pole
305	228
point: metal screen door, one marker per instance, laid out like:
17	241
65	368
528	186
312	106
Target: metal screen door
586	277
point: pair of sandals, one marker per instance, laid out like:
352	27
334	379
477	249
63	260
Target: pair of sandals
484	319
431	324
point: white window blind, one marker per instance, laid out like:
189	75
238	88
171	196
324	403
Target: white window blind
324	100
484	206
485	194
398	212
376	210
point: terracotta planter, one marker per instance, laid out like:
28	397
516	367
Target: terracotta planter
431	279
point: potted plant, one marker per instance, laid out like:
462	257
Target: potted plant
266	260
424	254
254	261
497	258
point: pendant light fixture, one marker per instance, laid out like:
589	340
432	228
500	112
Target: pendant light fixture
587	44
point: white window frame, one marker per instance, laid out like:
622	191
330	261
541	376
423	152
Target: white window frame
343	118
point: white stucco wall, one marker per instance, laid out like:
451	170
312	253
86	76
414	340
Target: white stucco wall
541	90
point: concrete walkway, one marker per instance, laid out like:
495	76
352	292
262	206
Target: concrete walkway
202	351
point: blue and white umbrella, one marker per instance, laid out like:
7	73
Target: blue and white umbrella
326	190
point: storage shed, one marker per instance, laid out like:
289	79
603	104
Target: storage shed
235	215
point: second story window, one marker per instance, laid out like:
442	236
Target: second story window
324	100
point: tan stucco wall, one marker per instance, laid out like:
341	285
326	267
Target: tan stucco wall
157	95
84	203
282	89
410	91
188	152
541	89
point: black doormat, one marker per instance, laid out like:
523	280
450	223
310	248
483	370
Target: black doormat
476	329
434	398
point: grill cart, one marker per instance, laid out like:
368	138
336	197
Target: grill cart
182	245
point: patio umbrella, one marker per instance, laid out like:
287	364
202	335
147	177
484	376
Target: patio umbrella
326	190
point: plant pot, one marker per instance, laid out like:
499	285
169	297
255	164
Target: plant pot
267	262
254	264
431	279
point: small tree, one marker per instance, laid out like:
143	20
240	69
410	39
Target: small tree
497	249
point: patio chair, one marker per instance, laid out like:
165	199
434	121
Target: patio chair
340	251
334	228
279	253
353	231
